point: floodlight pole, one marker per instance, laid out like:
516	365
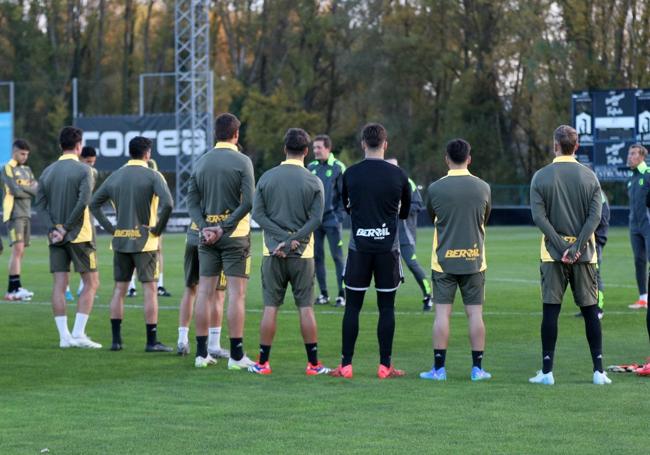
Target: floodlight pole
194	100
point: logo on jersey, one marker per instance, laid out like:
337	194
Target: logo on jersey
376	233
465	253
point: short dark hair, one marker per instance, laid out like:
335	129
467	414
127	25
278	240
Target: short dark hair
21	144
458	150
138	146
374	135
567	138
640	148
226	126
325	139
69	137
88	152
296	140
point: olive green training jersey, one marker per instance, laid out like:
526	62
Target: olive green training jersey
18	191
459	205
142	204
289	206
220	190
566	203
64	191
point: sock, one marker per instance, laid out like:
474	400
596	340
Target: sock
202	346
312	353
324	293
116	328
643	297
594	335
386	326
236	348
214	338
477	358
350	324
62	326
160	280
79	328
550	314
67	289
342	293
265	353
152	330
14	283
183	333
132	283
647	322
439	357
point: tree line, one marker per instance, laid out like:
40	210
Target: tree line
498	73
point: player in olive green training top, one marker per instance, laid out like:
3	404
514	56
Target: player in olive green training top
565	201
64	191
289	207
219	200
19	188
143	205
459	206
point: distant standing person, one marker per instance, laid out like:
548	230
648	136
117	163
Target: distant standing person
376	194
64	191
19	189
638	187
407	242
143	205
330	171
566	204
459	206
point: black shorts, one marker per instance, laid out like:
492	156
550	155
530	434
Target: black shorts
361	267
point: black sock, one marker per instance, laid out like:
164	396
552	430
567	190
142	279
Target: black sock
439	356
477	358
116	329
312	353
236	348
152	332
265	353
350	324
202	346
14	283
341	293
594	335
324	294
550	315
386	326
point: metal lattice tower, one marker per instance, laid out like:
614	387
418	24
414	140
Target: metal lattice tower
194	97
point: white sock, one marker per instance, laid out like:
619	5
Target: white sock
643	297
81	287
160	280
132	283
67	289
79	328
183	335
214	338
62	326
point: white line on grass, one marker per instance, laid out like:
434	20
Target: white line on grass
404	313
526	281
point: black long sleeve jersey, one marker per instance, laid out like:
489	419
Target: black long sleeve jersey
374	193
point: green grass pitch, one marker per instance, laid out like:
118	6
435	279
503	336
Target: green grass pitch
100	402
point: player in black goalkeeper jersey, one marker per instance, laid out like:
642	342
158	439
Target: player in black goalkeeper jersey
374	193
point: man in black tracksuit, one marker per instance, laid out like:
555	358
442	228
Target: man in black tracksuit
330	171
